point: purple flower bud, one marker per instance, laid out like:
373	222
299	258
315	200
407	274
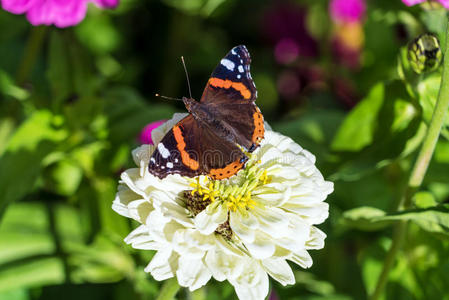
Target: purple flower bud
145	134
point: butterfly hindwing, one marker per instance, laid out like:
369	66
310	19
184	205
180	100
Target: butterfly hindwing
233	76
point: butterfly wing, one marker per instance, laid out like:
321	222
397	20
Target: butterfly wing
167	157
232	76
190	149
231	93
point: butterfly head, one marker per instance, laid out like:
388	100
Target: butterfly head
190	103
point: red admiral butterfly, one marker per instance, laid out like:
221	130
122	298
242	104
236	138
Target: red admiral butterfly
213	139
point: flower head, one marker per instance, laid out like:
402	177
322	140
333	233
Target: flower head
240	229
53	12
347	11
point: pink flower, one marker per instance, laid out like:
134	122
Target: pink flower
347	11
145	134
445	3
61	13
412	2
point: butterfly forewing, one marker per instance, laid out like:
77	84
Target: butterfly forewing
233	75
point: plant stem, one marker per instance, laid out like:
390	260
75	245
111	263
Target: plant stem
169	289
418	171
32	50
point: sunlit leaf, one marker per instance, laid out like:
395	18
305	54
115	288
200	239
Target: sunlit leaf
434	220
358	128
364	218
37	272
21	162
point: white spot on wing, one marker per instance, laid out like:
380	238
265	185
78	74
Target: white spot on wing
163	151
233	51
176	160
228	64
152	160
169	165
239	76
241	69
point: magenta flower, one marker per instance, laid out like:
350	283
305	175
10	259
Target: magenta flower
347	11
61	13
445	3
145	134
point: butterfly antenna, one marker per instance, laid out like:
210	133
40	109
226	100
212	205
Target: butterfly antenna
168	98
187	75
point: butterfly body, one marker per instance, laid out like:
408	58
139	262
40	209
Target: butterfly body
220	129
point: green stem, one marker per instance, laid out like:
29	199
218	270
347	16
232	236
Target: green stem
169	289
32	50
419	171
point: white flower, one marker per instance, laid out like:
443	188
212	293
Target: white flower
241	229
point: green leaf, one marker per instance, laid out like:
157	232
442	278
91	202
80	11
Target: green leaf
9	88
395	134
24	232
364	218
63	177
428	92
103	261
37	272
19	294
30	229
424	199
357	130
21	163
434	220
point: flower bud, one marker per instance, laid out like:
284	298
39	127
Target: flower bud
424	53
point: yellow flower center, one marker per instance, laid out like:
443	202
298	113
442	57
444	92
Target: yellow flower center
236	196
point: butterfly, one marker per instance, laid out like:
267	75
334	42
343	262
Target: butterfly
220	130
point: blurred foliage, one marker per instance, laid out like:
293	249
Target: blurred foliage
72	103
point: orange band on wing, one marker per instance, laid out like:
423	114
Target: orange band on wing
186	160
227	171
259	128
238	86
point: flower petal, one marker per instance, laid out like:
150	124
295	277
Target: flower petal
162	265
262	247
280	270
192	273
302	258
239	228
208	220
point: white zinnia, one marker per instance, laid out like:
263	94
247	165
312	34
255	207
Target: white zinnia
258	219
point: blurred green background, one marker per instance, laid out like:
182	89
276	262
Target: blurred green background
73	102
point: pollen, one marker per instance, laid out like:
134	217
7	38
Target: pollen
236	196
